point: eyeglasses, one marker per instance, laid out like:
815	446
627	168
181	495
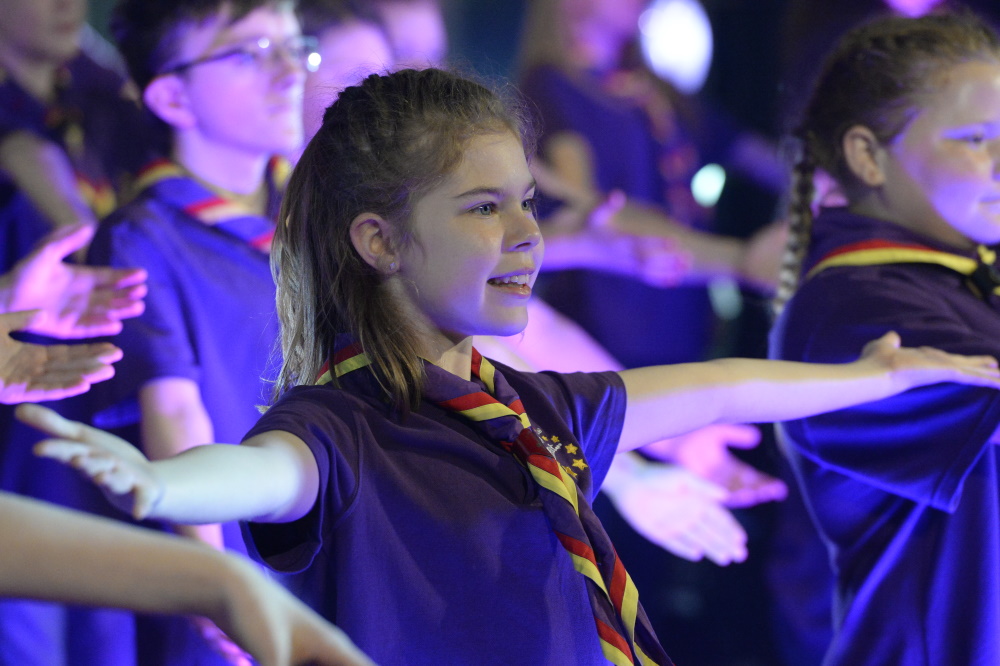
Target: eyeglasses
261	53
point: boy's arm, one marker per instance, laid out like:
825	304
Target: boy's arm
664	401
41	169
271	477
75	558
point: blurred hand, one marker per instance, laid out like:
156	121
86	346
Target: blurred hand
278	629
123	474
75	301
33	373
762	255
705	452
594	239
676	510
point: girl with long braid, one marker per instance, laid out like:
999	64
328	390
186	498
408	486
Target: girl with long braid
433	504
905	118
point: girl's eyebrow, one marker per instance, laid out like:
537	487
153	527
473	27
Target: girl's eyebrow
491	191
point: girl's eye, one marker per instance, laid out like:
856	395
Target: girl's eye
976	139
529	205
485	209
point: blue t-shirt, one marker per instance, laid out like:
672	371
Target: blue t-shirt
903	490
428	543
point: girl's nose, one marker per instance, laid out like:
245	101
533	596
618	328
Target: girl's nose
523	234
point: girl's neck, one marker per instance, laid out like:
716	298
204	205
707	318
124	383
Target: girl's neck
872	205
456	358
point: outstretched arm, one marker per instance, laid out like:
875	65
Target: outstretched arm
693	395
271	477
75	558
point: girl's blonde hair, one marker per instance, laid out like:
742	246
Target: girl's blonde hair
878	76
382	145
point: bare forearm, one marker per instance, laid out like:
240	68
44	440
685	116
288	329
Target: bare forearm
222	482
669	400
59	555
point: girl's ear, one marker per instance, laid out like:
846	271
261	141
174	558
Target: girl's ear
370	236
167	98
864	155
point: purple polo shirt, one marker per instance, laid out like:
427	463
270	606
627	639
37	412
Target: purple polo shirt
429	544
903	490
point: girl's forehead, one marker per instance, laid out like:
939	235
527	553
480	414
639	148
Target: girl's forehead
966	92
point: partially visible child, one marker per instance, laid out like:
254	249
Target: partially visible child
906	491
224	80
350	44
433	504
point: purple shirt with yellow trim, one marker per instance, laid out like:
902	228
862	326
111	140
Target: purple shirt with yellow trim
903	490
428	543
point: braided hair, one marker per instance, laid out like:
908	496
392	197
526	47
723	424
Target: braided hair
878	76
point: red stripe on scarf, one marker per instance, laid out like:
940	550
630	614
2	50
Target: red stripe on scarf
578	548
468	401
199	206
611	636
875	244
347	352
618	580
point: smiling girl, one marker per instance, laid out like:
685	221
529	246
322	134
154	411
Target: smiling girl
906	118
433	504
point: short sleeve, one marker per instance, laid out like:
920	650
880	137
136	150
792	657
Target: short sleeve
593	406
921	444
157	343
311	414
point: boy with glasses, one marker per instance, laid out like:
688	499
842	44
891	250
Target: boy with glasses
224	80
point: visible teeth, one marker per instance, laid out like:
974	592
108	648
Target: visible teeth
511	279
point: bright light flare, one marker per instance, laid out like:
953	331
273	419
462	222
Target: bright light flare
676	40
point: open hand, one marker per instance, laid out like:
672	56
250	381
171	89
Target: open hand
52	372
678	511
75	301
909	367
656	260
121	471
705	452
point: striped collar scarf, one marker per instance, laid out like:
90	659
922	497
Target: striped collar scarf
170	182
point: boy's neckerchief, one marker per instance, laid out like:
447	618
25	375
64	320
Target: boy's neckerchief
172	183
983	278
613	597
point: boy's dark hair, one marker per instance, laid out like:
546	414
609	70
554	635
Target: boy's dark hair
317	16
383	144
147	31
878	76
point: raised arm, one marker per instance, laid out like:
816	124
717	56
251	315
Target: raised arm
271	477
72	557
664	401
